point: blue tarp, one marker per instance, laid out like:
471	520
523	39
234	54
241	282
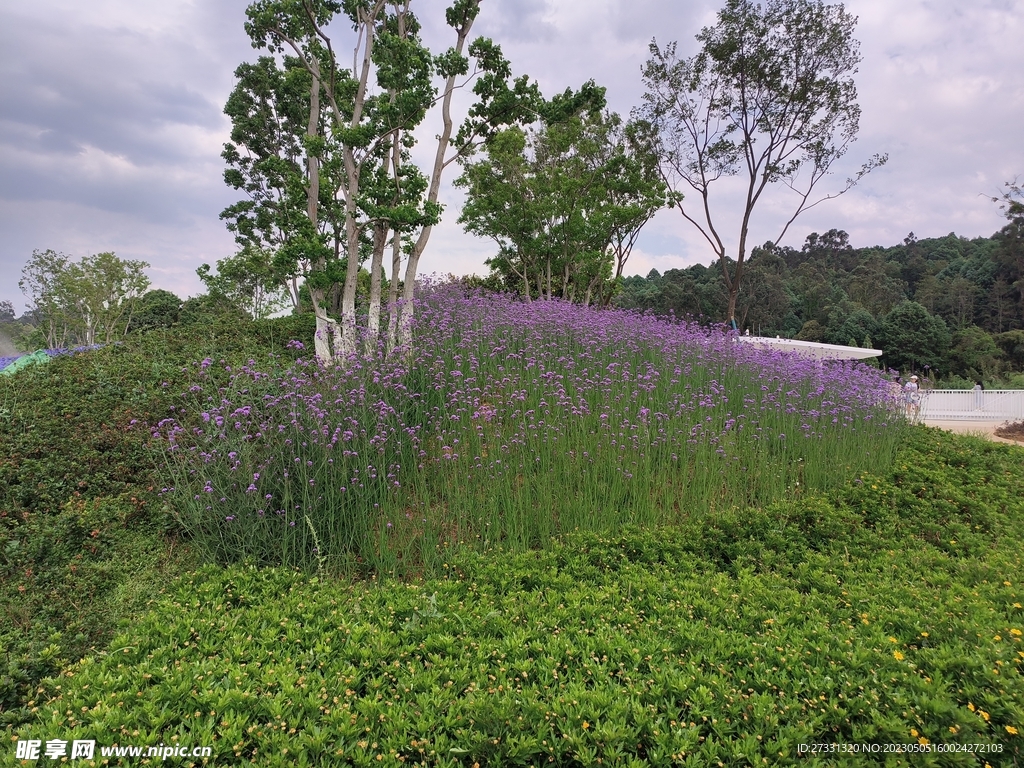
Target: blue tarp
17	363
11	365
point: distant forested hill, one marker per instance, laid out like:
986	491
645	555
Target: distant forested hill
951	304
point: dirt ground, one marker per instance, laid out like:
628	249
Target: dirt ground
987	429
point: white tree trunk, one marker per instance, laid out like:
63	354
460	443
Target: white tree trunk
326	336
408	310
396	267
380	233
347	343
326	328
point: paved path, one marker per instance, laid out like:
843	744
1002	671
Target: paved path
964	427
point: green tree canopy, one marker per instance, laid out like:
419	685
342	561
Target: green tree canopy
564	201
155	309
973	353
249	280
355	122
86	301
913	339
1010	239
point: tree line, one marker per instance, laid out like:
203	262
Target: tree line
80	302
103	298
948	305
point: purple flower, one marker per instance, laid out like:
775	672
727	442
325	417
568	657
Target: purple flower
637	396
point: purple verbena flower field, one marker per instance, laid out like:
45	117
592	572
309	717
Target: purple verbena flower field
506	424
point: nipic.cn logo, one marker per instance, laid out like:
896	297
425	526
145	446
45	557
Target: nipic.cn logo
85	749
32	749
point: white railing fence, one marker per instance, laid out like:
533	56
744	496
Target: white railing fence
976	405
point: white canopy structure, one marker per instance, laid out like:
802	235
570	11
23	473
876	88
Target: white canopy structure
812	349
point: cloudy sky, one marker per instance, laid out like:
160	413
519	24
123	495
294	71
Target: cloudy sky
111	122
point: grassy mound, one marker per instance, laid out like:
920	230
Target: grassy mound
83	540
884	611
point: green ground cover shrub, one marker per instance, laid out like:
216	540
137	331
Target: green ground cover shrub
82	538
835	594
887	610
66	579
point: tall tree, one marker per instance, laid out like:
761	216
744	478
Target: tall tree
875	284
44	281
912	338
763	303
973	353
394	198
769	98
564	201
634	188
266	158
1010	255
499	101
105	290
359	117
298	26
500	206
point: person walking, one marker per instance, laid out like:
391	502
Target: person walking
912	397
